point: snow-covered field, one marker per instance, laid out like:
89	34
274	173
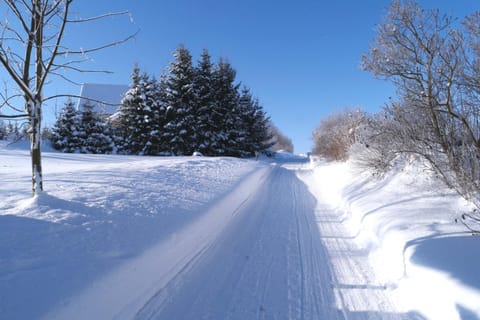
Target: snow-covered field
124	237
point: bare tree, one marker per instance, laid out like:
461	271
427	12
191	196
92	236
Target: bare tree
434	64
31	51
336	134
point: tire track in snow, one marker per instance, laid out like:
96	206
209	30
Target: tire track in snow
267	263
357	291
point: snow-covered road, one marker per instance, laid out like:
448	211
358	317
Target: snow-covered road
268	263
256	254
269	249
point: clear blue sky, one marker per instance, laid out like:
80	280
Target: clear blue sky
300	58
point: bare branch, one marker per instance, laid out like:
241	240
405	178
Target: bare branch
82	97
69	67
16	11
57	44
109	45
15	116
18	80
6	102
112	14
65	78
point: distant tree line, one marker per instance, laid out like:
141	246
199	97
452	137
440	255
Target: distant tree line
434	62
190	109
279	140
11	130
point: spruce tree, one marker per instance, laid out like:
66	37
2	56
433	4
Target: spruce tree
95	134
165	115
126	118
143	115
152	119
203	89
255	136
261	135
138	116
224	116
66	130
245	123
180	98
3	130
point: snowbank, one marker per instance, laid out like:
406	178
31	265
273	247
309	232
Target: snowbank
406	222
98	213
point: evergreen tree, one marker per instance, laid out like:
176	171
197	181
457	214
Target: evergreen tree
142	117
260	134
191	109
224	109
127	128
203	88
95	133
16	132
165	115
3	130
153	119
244	124
254	126
66	130
180	98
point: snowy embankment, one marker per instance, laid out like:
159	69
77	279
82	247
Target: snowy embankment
99	213
404	225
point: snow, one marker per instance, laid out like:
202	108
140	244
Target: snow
404	224
221	238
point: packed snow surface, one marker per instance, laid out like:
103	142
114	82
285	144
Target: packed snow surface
126	237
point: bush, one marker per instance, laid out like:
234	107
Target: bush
336	134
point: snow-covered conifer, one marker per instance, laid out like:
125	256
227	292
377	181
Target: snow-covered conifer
66	130
3	130
95	133
224	109
256	136
180	99
204	94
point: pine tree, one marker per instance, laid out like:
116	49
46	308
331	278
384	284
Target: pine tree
245	123
260	133
66	130
95	134
142	117
126	129
203	88
16	132
255	134
180	98
3	130
224	116
135	118
153	118
165	115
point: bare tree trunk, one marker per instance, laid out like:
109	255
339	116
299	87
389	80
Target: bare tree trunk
36	104
35	146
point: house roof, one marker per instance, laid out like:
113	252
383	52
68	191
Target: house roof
111	94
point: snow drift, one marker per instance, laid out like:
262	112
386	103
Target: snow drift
406	223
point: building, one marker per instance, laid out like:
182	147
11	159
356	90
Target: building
102	98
